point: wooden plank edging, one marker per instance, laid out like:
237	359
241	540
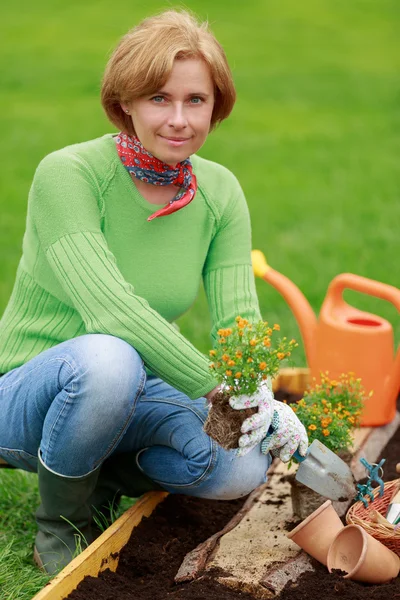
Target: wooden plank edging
102	553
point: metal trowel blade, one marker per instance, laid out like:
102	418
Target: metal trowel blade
326	473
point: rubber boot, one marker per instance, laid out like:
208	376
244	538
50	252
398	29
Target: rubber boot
64	517
119	476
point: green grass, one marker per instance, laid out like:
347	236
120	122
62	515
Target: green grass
313	139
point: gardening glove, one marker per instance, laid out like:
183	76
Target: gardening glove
288	434
255	427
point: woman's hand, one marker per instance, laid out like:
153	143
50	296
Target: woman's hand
212	393
289	434
255	427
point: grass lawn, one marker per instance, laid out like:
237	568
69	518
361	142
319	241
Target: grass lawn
314	140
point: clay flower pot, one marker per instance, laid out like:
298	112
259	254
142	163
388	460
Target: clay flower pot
362	557
316	533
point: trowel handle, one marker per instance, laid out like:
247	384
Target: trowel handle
299	457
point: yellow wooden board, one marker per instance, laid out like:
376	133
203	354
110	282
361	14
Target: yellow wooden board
102	553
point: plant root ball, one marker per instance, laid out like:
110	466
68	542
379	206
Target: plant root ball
224	423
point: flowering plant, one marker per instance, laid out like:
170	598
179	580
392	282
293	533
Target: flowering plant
331	410
246	355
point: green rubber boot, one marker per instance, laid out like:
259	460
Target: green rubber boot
119	476
64	518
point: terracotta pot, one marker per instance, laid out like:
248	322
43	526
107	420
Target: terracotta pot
362	557
316	532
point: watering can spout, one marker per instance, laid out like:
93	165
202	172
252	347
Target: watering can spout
303	313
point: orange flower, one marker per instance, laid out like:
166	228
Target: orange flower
238	375
231	363
221	331
262	365
222	340
281	355
228	372
266	342
253	342
238	318
250	360
239	354
277	327
325	422
325	432
225	357
351	420
326	410
212	353
212	366
312	427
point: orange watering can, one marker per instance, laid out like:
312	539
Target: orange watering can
346	339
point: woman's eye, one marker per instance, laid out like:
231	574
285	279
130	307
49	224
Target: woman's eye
196	100
158	99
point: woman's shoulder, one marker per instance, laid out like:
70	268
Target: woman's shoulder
209	172
218	184
95	154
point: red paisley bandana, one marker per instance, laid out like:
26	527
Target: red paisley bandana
150	169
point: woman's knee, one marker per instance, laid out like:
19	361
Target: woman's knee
106	361
234	477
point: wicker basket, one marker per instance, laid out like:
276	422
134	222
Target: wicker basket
358	514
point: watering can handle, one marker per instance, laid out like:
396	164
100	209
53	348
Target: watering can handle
365	286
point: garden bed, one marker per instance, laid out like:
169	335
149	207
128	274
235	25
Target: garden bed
146	566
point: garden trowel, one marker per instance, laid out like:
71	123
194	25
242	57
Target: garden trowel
325	473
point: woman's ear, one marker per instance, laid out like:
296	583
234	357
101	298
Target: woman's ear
125	108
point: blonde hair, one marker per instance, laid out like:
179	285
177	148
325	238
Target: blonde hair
144	57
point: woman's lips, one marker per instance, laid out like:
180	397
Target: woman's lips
175	142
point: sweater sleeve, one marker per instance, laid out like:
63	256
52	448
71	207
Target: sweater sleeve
228	274
65	205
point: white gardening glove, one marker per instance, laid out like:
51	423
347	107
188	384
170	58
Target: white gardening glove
255	427
289	434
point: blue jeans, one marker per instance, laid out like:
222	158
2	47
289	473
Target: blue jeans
89	398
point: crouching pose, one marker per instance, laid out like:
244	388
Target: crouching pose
100	393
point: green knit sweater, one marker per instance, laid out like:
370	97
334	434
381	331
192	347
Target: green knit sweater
92	263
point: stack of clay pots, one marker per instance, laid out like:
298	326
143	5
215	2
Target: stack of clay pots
350	549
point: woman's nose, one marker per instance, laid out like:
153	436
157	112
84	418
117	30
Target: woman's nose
177	117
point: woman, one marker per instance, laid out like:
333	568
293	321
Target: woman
100	393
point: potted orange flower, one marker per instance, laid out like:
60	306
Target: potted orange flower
245	357
330	411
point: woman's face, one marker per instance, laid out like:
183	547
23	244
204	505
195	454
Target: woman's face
174	122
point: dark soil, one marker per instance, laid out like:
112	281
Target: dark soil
331	586
151	559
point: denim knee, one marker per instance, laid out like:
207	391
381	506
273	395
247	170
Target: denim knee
234	477
101	378
106	364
